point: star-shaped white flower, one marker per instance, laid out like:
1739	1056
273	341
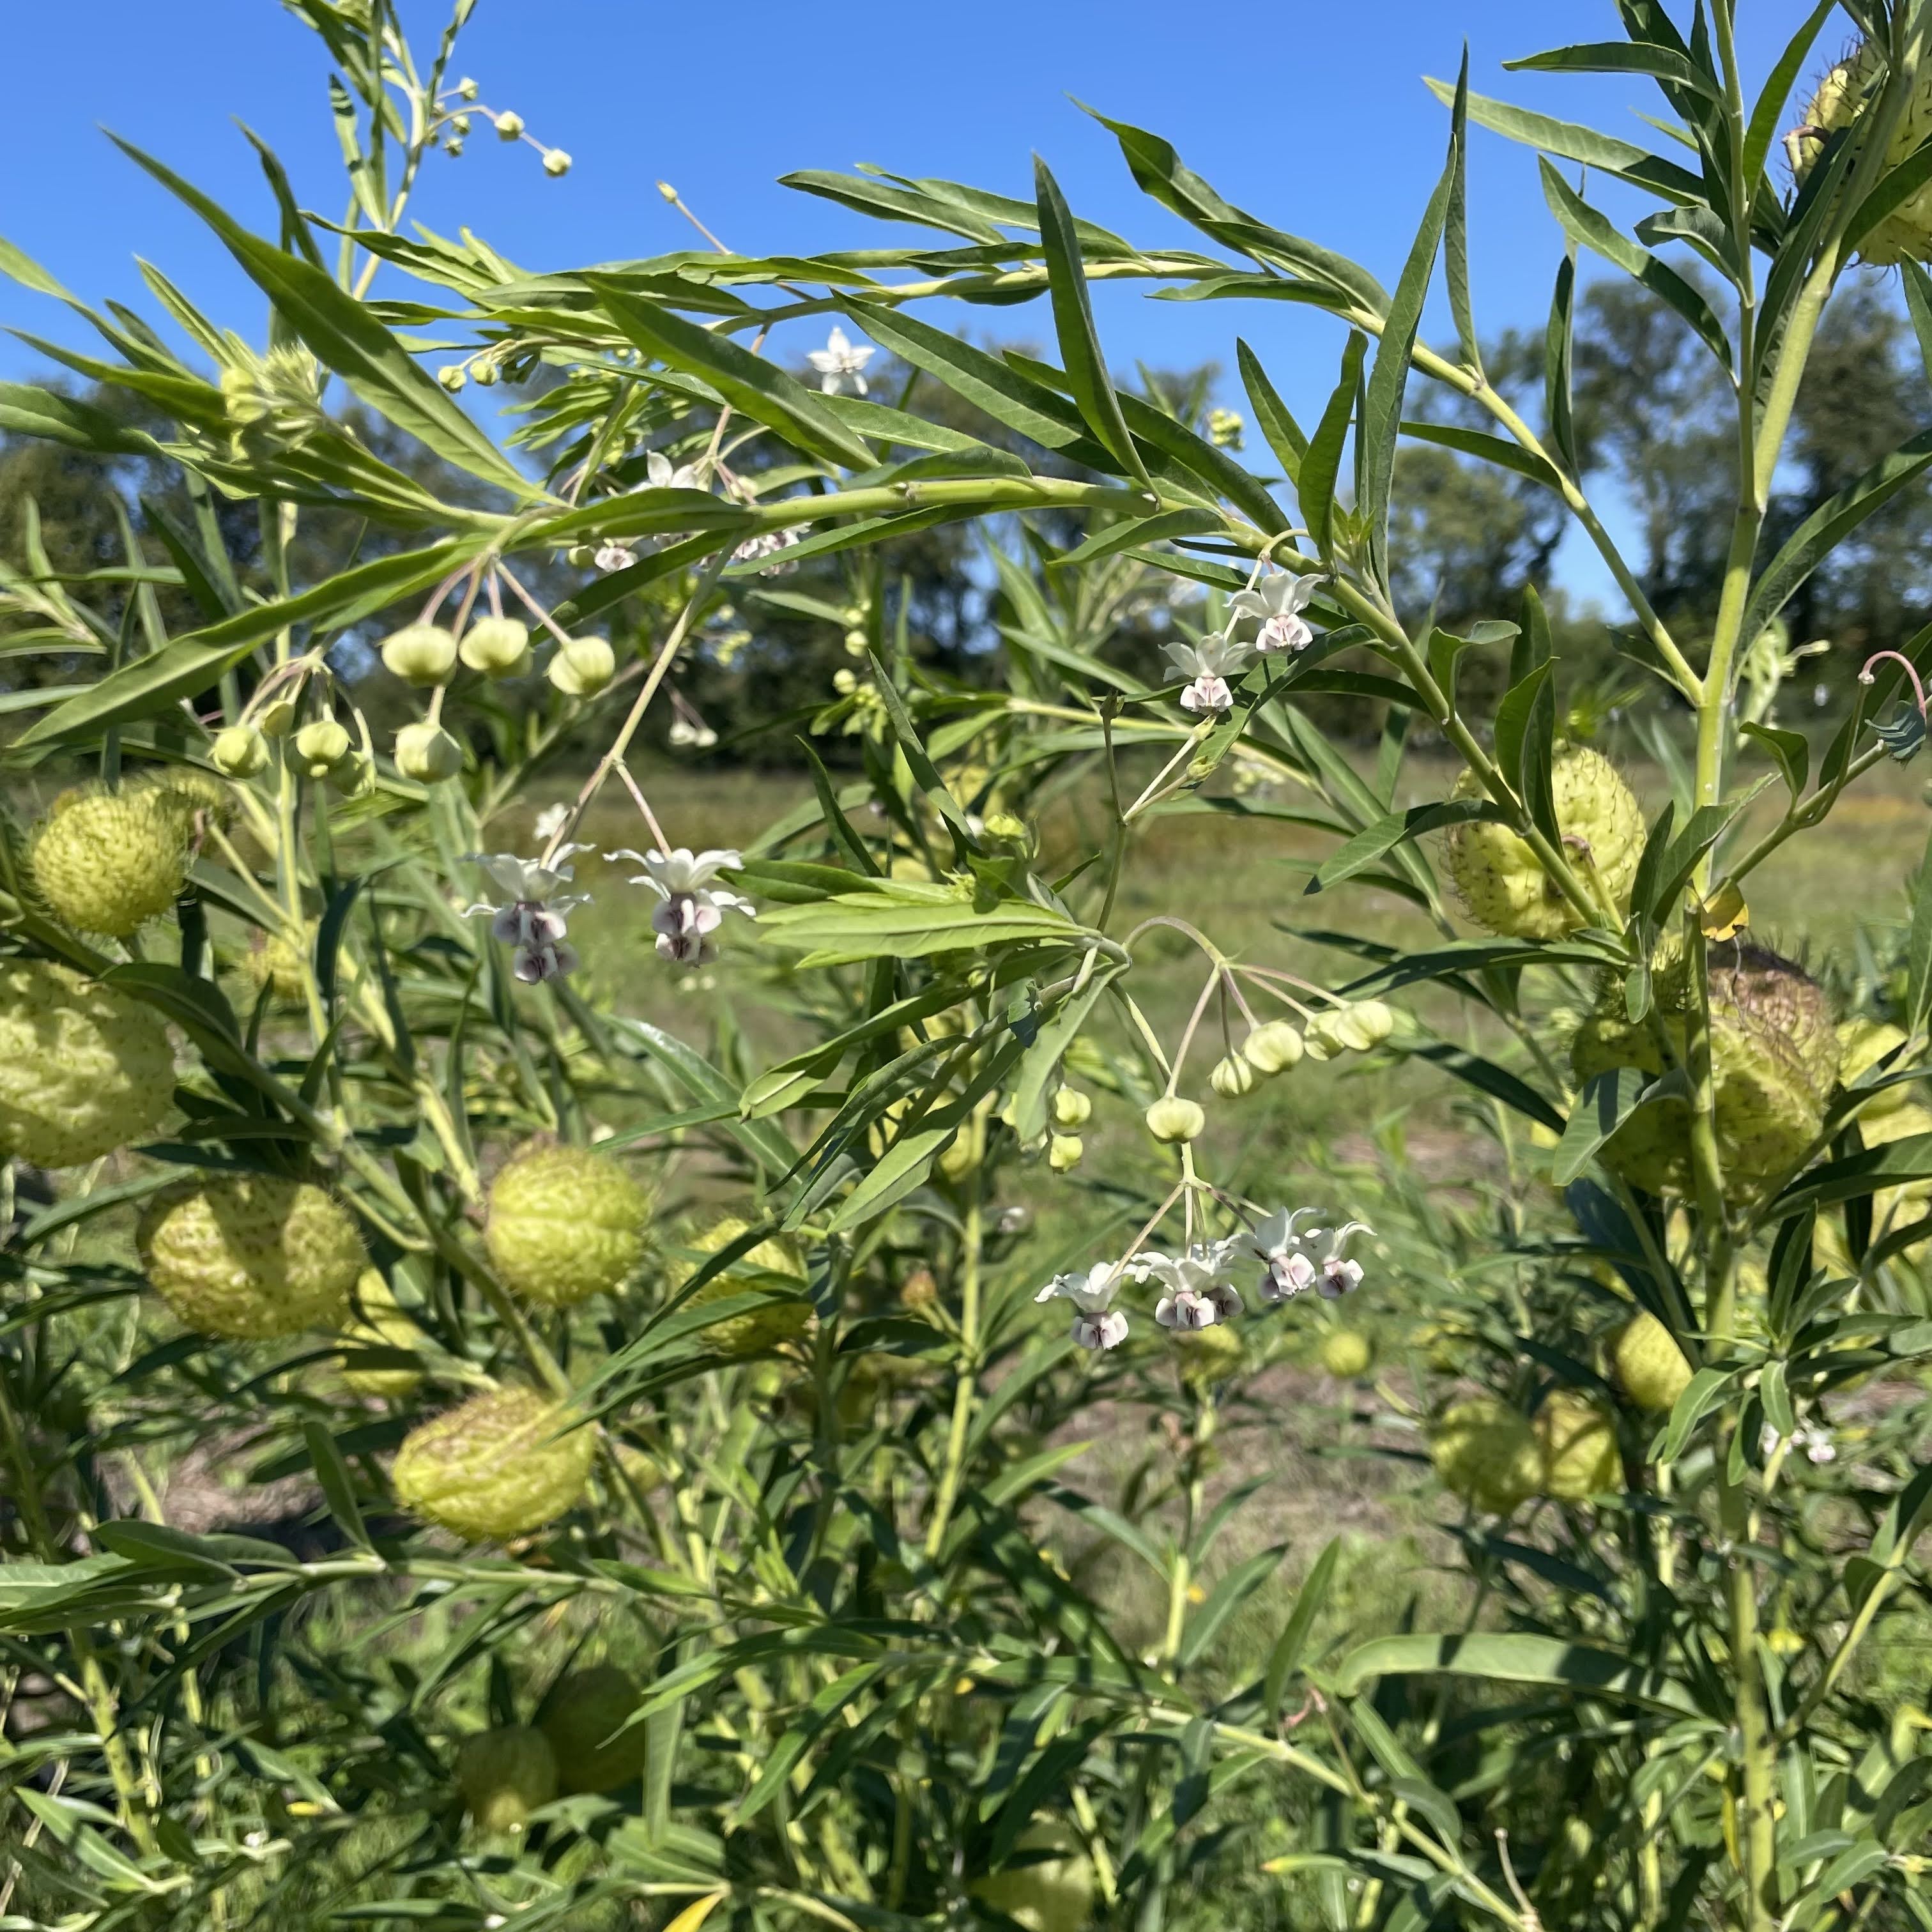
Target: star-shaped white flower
614	556
1287	1267
1339	1275
1209	664
660	473
1276	603
839	359
550	822
1200	1289
691	908
531	918
1095	1324
771	544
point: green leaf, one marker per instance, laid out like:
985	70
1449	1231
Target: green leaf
1286	1655
750	385
27	411
1762	130
1456	233
1276	419
1791	750
1619	57
1233	1590
1135	531
345	335
1379	430
1386	833
1040	1063
1524	741
1488	1078
1855	1176
1496	449
854	926
1073	321
1514	1658
338	1486
1606	1103
1595	230
193	662
1323	464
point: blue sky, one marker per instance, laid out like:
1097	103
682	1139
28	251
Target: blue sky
1310	112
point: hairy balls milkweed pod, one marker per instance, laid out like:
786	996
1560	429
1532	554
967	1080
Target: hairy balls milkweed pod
1578	1439
108	862
496	1466
1502	887
1347	1353
251	1255
1651	1369
1843	96
83	1069
1047	1885
505	1774
565	1224
583	1719
1486	1452
757	1329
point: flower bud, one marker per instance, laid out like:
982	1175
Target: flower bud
277	718
1009	829
665	189
320	747
1361	1025
354	777
583	1719
108	862
467	88
857	643
582	556
1070	1108
452	375
509	127
1232	1077
251	1255
919	1289
497	647
241	751
1273	1047
505	1774
565	1223
421	654
484	371
584	667
556	162
427	753
1174	1119
1065	1152
499	1466
84	1068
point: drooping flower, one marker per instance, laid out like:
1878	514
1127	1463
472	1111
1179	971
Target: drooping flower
771	544
1096	1324
839	359
1339	1275
691	908
661	473
1209	664
530	920
1276	603
1200	1291
1287	1267
613	556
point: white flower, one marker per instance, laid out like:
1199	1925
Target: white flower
613	556
1209	664
839	359
1095	1324
769	545
692	909
661	474
1814	1440
550	821
1338	1275
1199	1290
531	919
1287	1267
1276	603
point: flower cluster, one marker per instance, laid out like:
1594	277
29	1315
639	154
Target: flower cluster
1276	603
531	919
690	908
1198	1287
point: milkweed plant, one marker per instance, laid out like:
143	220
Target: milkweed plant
682	1418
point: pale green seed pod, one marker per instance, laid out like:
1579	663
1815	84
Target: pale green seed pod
1070	1108
1054	1891
758	1330
565	1223
427	753
498	1467
1485	1452
251	1255
84	1069
1273	1047
497	647
505	1774
1233	1075
1347	1354
421	654
1174	1119
241	751
584	667
1651	1367
1578	1439
1845	94
583	1719
108	862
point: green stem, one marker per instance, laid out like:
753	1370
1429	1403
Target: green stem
967	1390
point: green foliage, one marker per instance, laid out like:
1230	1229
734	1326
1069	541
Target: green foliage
701	1513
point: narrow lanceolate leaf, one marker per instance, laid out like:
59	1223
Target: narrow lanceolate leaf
1496	449
1386	833
1323	464
1770	108
1619	57
1856	1176
1558	345
190	663
1595	230
1079	340
345	336
27	411
1510	1658
1276	419
1829	525
753	386
1381	410
1607	1102
1456	232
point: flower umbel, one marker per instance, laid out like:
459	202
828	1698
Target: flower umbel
839	359
531	919
1199	1292
692	908
1210	664
1276	603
